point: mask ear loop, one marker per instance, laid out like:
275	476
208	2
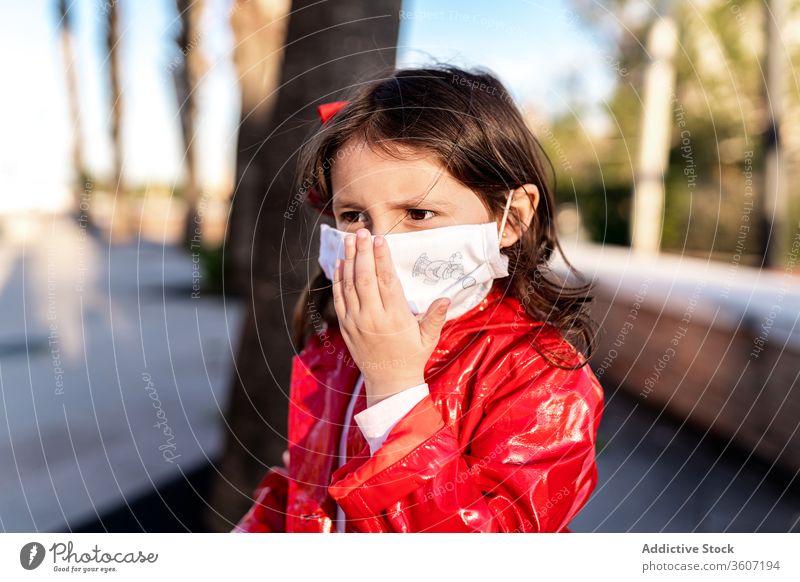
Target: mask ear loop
505	215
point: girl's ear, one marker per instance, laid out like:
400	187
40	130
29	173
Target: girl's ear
524	202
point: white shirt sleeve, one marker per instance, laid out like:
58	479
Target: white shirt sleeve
378	420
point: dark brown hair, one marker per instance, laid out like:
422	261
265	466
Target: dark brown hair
469	123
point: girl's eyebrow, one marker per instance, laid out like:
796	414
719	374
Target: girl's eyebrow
423	202
411	203
343	203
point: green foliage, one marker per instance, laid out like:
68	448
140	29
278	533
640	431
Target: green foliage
211	265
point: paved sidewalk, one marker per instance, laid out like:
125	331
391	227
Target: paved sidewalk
112	377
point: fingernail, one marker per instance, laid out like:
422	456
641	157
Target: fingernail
379	241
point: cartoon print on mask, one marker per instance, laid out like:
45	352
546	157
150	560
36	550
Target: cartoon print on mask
434	271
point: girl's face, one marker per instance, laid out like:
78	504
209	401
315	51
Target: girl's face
385	195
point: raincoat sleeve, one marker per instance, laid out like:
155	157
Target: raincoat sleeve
268	512
527	466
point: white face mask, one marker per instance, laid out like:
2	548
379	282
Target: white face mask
458	262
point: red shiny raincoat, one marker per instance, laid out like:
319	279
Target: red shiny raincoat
505	442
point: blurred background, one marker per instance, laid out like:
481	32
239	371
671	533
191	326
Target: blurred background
148	269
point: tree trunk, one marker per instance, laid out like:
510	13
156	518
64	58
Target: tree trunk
648	209
774	203
329	45
187	73
80	190
120	226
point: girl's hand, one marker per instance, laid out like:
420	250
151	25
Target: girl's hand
388	344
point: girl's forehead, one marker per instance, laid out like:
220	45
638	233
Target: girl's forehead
361	152
364	163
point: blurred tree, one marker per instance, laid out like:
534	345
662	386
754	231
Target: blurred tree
595	167
719	115
187	74
120	227
327	46
81	188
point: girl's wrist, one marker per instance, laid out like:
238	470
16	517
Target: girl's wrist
380	389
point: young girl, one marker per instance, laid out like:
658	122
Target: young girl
436	388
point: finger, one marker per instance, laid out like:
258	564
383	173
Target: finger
431	325
389	286
365	280
348	284
338	296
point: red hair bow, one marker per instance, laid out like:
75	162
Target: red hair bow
328	110
325	111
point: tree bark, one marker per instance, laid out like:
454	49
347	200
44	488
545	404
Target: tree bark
329	45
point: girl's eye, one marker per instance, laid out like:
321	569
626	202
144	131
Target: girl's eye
415	213
349	216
